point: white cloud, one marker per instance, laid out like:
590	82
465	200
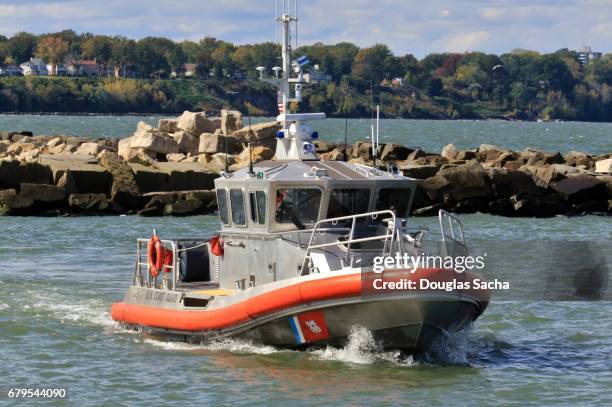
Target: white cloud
461	42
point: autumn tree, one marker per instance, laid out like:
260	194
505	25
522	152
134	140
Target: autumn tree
53	50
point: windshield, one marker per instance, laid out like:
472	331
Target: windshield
394	199
346	201
297	206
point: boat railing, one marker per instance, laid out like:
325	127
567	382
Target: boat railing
170	272
391	238
453	239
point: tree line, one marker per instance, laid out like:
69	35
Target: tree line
521	84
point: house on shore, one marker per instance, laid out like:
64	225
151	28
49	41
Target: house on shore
34	67
11	70
586	55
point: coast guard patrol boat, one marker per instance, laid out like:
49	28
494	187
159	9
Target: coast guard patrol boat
293	262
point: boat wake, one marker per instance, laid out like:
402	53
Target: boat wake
59	307
362	349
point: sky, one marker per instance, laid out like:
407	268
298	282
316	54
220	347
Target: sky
416	27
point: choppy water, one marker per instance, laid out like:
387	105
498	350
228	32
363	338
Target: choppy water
431	135
59	276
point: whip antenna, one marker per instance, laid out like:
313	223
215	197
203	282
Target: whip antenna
251	172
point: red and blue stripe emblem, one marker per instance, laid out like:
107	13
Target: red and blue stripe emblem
309	327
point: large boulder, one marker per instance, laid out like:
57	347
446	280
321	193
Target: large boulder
449	152
168	125
323	146
13	173
258	154
435	188
88	202
577	158
88	148
214	143
124	190
531	156
394	152
216	162
150	178
544	175
262	134
11	202
187	143
4	144
468	181
489	152
420	171
160	143
579	188
231	120
362	149
506	183
195	123
604	166
337	154
125	145
170	176
182	207
42	192
87	175
544	206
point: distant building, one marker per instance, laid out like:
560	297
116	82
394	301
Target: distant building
586	55
11	70
34	67
84	68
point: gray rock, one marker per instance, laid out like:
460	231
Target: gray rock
394	152
87	177
262	134
187	143
213	143
604	166
195	123
158	142
42	192
420	171
168	125
88	202
579	188
11	202
124	190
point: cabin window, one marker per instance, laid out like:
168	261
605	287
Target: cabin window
298	206
348	201
222	204
237	201
394	199
257	202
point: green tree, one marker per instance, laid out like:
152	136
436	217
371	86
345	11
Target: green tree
21	47
53	50
371	63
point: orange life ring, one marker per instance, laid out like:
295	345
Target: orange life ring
216	246
156	256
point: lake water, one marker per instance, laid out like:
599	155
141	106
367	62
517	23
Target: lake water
430	135
59	276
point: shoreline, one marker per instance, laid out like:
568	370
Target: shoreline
169	170
163	115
